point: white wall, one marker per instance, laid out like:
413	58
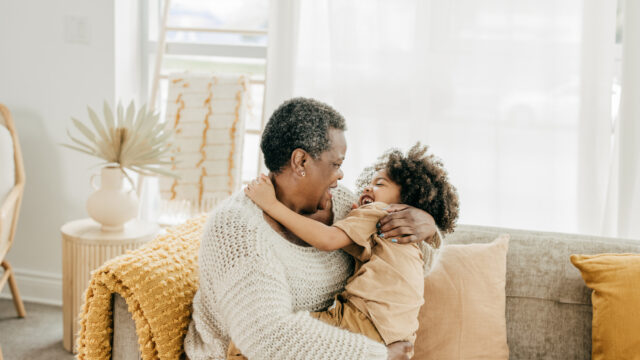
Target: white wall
47	75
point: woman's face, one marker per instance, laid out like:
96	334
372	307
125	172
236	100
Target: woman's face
324	172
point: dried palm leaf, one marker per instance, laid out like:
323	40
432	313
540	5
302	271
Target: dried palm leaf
132	140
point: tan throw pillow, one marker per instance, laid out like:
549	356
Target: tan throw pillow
463	316
614	279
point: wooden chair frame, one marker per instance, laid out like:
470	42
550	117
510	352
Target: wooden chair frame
11	205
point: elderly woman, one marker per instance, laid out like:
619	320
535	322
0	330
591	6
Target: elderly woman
258	281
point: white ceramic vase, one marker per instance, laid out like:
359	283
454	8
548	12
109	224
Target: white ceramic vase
111	205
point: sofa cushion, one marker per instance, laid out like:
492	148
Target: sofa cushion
463	316
548	304
614	279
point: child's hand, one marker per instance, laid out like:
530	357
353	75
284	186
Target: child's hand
261	191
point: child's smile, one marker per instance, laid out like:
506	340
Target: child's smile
381	189
366	199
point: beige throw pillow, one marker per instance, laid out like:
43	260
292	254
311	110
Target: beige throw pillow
463	316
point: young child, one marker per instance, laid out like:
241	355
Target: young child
383	297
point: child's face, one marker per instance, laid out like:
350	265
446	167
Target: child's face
381	189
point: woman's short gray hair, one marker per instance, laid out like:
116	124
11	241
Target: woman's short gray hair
298	123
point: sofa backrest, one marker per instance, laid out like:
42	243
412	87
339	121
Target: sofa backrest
548	306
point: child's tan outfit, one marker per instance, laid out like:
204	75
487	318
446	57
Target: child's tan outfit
386	289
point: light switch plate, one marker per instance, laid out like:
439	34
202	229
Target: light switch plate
77	30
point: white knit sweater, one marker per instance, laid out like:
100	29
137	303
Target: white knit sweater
257	288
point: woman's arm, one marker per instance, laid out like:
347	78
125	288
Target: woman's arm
314	233
408	224
411	220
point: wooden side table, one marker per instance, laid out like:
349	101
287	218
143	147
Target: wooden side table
85	247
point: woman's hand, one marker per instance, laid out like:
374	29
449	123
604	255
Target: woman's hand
261	191
407	224
399	350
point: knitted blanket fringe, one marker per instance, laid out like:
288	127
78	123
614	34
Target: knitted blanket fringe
158	282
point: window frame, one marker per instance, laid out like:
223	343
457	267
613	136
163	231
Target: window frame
178	48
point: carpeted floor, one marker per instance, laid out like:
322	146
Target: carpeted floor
36	337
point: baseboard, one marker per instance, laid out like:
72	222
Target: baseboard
36	286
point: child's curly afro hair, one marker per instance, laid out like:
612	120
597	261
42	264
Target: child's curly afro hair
424	183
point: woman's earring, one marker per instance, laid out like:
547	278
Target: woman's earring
303	173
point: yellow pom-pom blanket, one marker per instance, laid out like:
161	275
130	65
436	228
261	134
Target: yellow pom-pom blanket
158	282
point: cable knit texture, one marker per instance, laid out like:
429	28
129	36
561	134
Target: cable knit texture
158	282
258	288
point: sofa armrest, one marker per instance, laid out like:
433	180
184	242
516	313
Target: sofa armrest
158	280
125	339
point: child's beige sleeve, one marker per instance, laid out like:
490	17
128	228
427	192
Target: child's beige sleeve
359	225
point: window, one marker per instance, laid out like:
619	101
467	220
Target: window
221	36
216	36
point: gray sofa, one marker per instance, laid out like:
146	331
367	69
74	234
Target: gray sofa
548	307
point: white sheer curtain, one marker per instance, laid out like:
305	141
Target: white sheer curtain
622	211
596	127
511	95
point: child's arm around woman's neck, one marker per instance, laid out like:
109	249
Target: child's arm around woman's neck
314	233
